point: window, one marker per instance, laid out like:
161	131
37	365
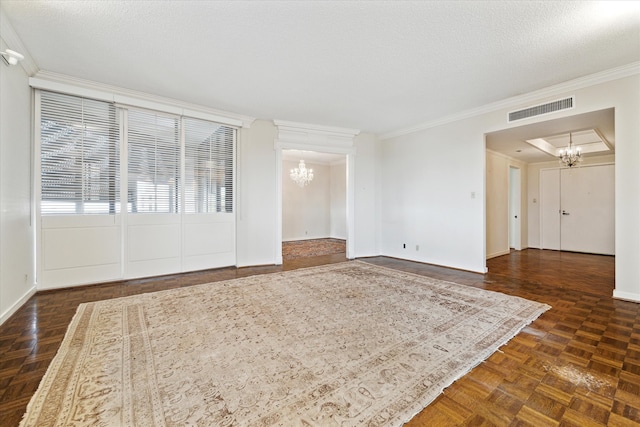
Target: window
80	160
79	156
154	163
208	167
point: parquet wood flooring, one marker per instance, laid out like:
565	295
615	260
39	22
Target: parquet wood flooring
312	247
577	365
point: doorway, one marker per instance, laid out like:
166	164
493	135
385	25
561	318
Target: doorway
314	217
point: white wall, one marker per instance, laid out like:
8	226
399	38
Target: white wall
497	203
16	232
256	237
306	211
432	191
427	177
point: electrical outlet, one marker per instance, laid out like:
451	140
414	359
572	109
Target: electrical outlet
404	246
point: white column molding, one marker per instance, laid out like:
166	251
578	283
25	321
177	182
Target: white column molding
323	139
314	135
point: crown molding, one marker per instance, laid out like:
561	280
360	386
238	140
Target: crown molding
526	99
140	99
318	129
13	42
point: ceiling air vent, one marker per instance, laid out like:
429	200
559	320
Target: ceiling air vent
537	110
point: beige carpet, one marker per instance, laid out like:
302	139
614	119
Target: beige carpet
343	344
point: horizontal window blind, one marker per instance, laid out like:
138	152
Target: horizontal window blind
208	166
153	163
80	160
79	155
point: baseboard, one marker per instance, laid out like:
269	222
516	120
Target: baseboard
365	255
301	239
425	261
627	296
16	306
497	254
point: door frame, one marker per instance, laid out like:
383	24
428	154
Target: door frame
515	208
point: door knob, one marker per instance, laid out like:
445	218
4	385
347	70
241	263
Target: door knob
565	213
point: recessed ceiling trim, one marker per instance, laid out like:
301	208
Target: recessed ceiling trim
541	109
542	145
604	140
588	141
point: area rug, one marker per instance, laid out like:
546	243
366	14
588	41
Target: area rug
314	247
342	344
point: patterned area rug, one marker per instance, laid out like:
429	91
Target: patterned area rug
315	247
342	344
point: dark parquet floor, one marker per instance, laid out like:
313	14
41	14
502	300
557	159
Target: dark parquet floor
577	365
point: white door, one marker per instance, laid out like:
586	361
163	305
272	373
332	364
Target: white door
577	209
550	209
587	209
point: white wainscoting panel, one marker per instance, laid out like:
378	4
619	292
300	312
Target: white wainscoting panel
80	247
64	278
79	250
148	242
208	241
153	245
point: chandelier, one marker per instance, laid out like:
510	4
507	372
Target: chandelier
301	175
570	156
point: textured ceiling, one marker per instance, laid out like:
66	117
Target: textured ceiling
374	66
